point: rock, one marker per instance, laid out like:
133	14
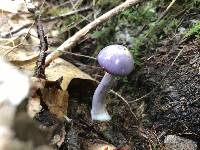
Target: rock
173	142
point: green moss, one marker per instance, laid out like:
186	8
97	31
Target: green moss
105	35
143	25
194	31
103	3
56	11
138	16
69	21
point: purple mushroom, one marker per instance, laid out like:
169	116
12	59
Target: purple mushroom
117	61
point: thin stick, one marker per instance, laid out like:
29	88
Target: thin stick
125	101
68	44
168	70
166	10
40	65
80	55
6	35
40	71
63	16
21	43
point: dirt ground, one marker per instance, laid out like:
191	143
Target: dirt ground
171	75
160	97
174	106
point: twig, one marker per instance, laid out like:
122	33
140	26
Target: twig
14	47
40	71
166	10
142	97
63	16
125	101
162	16
161	81
64	4
73	25
80	55
68	44
181	41
40	66
6	35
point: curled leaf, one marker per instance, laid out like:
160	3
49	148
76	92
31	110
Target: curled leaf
56	98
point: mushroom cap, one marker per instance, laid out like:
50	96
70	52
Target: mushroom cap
116	60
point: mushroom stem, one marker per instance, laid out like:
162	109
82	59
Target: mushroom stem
99	111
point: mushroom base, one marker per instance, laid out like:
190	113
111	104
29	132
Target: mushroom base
103	116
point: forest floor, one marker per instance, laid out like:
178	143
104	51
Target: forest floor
160	97
169	81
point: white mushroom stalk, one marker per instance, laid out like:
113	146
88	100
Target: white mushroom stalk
117	61
99	111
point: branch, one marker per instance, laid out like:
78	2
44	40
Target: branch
40	66
10	33
52	18
68	44
40	71
63	16
167	10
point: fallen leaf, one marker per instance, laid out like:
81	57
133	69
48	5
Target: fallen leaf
57	101
13	6
13	41
13	24
18	55
55	98
60	67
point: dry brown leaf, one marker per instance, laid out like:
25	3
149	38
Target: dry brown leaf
56	99
17	55
13	41
21	58
13	6
59	68
12	22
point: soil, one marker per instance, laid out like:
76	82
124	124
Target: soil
171	74
169	83
174	106
160	97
